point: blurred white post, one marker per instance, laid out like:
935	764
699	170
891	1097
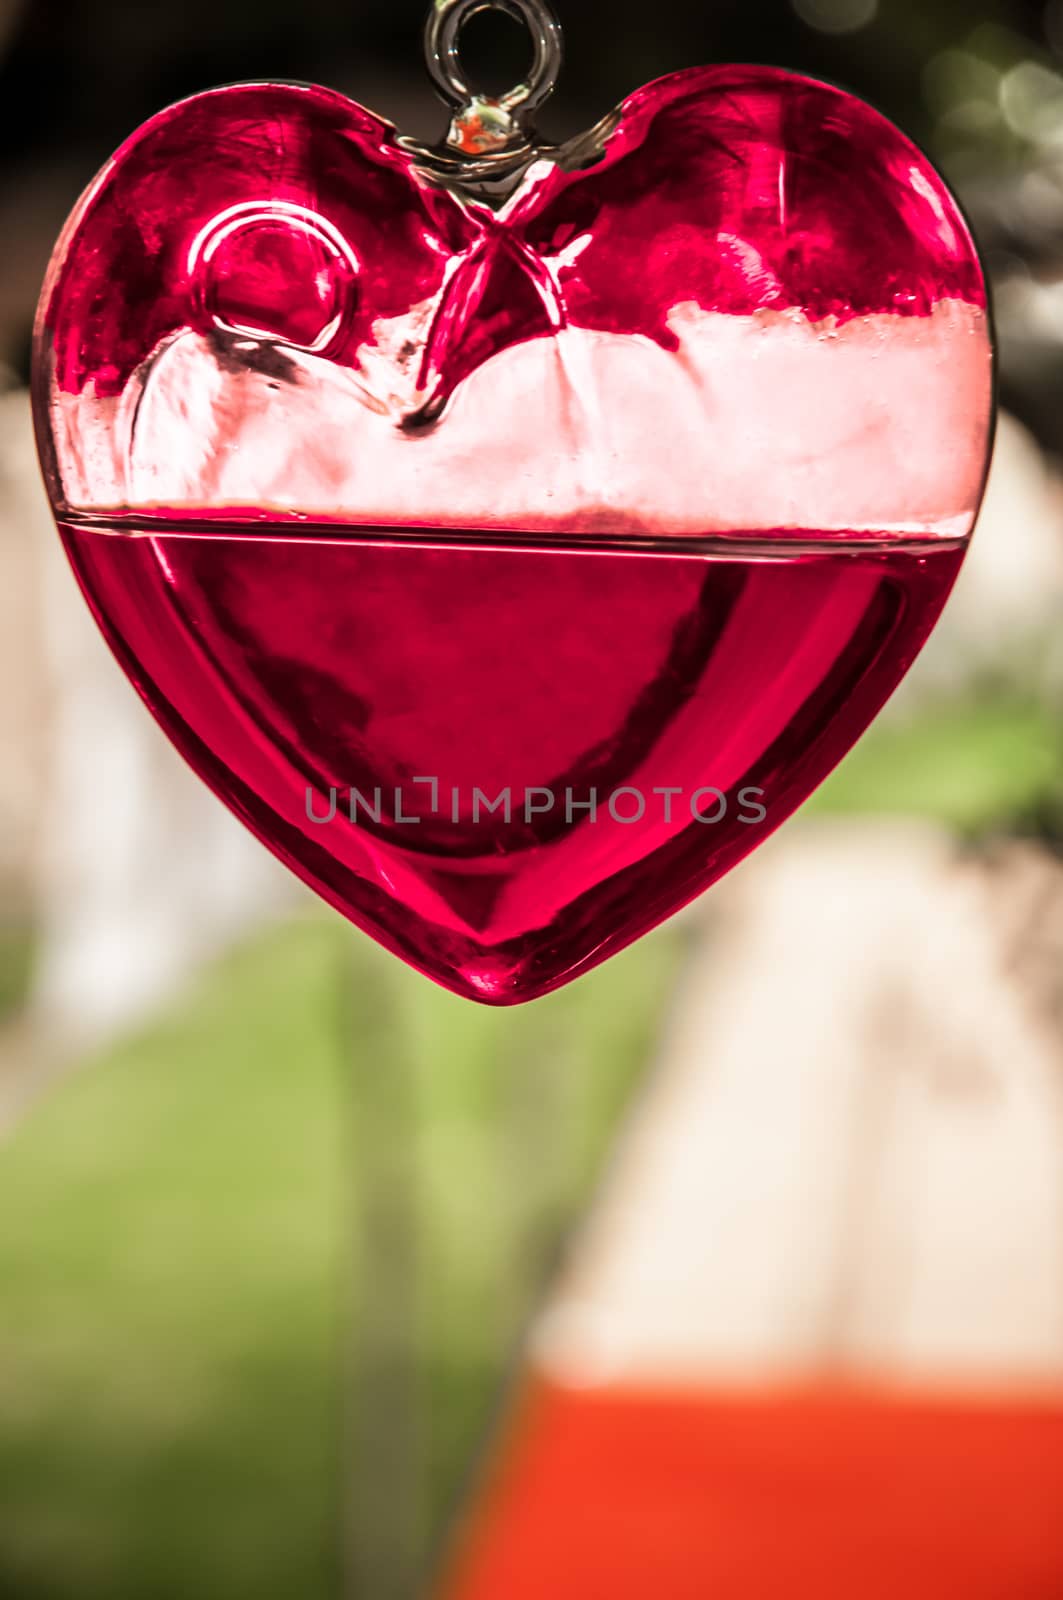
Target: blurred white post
851	1162
137	872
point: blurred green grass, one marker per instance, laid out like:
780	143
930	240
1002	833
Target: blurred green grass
975	766
17	949
177	1220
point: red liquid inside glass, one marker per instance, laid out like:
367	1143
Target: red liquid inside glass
537	746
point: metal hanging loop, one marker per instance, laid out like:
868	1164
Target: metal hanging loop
443	53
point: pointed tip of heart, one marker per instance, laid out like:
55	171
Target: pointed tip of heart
501	986
495	978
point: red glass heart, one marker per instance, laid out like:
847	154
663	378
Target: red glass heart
512	572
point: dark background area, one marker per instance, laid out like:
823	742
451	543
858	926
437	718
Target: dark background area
85	74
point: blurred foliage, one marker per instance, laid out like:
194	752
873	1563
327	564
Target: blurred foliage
17	945
175	1234
169	1239
978	767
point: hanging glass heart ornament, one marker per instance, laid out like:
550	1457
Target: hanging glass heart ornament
513	536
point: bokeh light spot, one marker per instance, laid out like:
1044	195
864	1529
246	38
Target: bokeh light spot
836	16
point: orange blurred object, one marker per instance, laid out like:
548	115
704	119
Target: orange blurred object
617	1495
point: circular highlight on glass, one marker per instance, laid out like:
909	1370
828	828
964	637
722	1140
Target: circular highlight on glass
514	566
274	270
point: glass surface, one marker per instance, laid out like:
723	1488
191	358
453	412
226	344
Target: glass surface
512	571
